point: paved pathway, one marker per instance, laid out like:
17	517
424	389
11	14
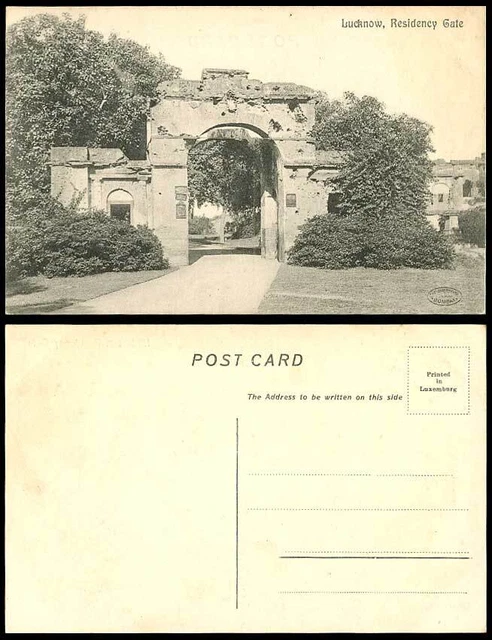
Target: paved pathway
213	284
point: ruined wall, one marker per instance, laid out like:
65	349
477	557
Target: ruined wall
70	175
448	180
222	97
88	176
281	112
170	207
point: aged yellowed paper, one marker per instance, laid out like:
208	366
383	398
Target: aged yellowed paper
247	160
245	478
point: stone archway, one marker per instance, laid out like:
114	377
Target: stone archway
282	114
119	205
269	166
295	174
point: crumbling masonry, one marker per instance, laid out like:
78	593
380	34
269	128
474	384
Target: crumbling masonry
295	177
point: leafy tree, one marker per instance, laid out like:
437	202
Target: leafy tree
384	189
200	225
225	173
387	169
68	86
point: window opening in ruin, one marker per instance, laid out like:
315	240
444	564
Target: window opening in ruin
467	189
334	202
120	212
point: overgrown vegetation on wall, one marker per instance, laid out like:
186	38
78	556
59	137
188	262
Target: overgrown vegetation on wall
384	190
68	86
43	237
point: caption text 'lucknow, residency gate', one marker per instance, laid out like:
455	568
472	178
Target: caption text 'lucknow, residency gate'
294	177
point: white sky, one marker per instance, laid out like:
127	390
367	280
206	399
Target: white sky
435	75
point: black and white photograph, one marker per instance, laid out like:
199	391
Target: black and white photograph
264	478
245	160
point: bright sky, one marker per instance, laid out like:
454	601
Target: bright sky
437	75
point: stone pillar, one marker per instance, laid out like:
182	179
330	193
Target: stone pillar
169	157
97	201
269	226
70	176
170	212
269	202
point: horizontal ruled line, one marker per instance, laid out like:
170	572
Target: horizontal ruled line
373	552
351	509
447	593
375	557
361	475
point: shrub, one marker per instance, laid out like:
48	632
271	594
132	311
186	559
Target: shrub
244	224
200	225
472	226
341	242
66	244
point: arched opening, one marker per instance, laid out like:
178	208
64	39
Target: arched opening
120	205
467	189
440	196
233	181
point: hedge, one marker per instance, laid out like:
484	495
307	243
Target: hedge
333	241
56	242
472	226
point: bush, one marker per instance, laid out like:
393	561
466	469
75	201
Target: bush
200	226
63	244
244	224
472	226
341	242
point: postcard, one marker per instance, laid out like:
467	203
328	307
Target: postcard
270	478
245	160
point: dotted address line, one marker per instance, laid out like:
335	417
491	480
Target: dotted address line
365	475
390	551
382	592
346	509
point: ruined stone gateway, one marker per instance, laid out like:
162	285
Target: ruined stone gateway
295	177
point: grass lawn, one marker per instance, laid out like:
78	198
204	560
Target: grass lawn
318	291
44	295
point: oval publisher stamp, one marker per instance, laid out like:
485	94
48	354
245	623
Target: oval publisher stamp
444	296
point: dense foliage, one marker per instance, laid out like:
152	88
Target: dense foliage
226	173
384	190
339	242
244	224
200	225
68	86
472	226
387	169
43	237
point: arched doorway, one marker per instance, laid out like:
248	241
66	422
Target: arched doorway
246	167
440	196
281	114
120	205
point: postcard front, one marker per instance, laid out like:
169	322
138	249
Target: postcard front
245	478
245	160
